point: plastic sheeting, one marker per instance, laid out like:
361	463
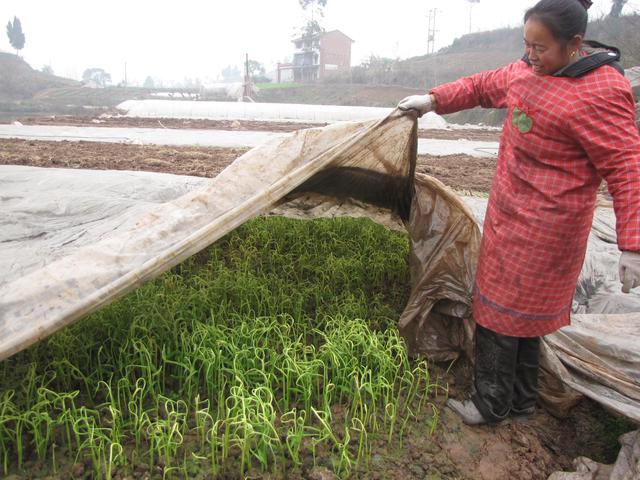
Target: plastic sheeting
212	138
633	74
626	467
280	112
50	213
65	257
141	136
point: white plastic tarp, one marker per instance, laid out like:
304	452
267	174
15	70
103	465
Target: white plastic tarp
49	213
633	74
626	467
279	112
213	138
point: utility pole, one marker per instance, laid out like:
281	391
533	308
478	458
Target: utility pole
431	41
247	87
471	2
431	31
125	74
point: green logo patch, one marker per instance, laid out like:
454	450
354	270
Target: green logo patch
522	121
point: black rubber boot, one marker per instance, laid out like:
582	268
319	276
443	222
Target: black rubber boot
525	388
495	371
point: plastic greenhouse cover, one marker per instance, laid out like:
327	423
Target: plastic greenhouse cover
212	138
73	241
287	112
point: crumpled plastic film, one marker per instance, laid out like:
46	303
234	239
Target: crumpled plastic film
626	467
445	242
633	75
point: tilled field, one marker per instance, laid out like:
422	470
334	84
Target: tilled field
195	161
461	172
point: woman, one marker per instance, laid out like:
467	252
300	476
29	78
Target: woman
570	123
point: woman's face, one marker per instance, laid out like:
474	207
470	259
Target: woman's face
546	54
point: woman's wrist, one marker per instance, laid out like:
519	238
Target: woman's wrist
434	102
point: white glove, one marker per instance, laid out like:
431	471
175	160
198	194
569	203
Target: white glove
629	271
421	103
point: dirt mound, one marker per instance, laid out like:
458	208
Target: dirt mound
18	81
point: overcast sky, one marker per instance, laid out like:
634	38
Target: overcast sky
189	39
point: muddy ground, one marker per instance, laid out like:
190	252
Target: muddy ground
512	450
461	172
196	161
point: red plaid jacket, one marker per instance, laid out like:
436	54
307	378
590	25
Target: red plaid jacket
561	137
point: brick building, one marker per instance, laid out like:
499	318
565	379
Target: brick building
317	58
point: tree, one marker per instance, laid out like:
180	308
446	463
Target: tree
15	34
97	76
257	72
312	28
231	74
255	68
149	83
616	8
312	3
47	69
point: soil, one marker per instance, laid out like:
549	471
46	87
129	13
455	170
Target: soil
195	161
461	172
527	450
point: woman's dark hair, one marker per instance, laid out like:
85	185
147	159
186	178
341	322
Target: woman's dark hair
564	18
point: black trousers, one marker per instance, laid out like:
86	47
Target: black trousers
506	374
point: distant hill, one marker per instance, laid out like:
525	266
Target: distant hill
480	51
25	91
18	81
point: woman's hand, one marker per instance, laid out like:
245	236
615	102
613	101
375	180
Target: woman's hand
629	271
420	103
